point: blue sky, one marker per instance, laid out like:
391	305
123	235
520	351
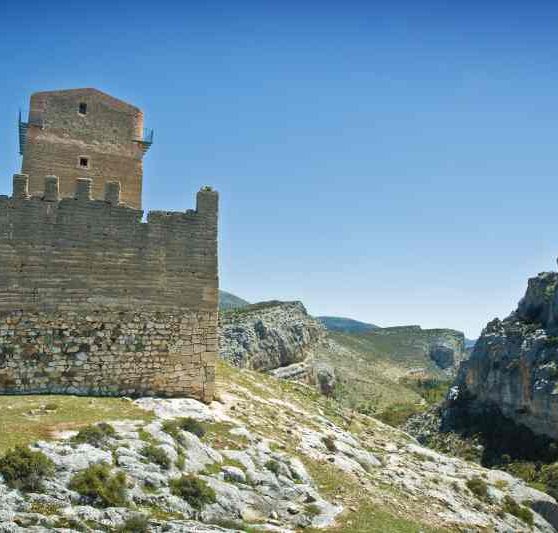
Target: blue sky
394	162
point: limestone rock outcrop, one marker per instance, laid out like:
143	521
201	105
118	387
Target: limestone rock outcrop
514	365
268	335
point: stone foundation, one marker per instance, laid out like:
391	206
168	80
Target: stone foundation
109	353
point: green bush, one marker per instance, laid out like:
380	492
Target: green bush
99	485
549	476
95	435
157	455
397	414
173	427
519	511
478	487
272	466
25	469
194	490
312	509
135	524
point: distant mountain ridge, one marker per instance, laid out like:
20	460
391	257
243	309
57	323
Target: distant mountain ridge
228	300
346	325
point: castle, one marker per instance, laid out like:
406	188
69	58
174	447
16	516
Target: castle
92	299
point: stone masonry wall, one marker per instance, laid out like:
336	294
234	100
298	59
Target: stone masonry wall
106	135
135	353
93	300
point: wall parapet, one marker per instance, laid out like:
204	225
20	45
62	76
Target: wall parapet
75	253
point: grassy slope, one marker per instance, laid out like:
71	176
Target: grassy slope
25	419
382	512
373	374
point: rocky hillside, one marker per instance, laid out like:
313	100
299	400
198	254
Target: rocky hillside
269	455
429	350
268	335
513	369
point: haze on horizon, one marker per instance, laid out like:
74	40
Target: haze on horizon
393	163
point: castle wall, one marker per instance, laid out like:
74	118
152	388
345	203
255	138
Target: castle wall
109	353
107	135
71	269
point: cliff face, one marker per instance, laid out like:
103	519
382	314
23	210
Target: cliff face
415	346
514	365
268	335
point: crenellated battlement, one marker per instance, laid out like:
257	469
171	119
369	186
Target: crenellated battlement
72	252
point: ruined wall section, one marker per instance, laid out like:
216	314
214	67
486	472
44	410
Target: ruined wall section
136	300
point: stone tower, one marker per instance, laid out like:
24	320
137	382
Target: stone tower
84	133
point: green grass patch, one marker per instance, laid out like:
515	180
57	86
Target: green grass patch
19	427
397	414
217	435
368	516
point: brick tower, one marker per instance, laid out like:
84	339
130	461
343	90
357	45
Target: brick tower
84	133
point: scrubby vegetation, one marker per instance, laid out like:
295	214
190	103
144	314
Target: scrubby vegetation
135	524
519	511
433	390
272	466
396	414
95	435
25	469
100	486
478	487
157	455
194	490
174	426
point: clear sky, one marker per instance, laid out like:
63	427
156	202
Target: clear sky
395	162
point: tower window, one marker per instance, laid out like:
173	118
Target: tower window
83	108
84	162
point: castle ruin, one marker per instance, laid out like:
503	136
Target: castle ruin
92	299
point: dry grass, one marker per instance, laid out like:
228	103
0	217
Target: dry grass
25	419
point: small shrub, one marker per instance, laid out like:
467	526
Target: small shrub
312	509
25	469
194	490
145	436
191	425
272	466
519	511
157	455
95	435
180	460
329	443
135	524
100	486
51	406
478	487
